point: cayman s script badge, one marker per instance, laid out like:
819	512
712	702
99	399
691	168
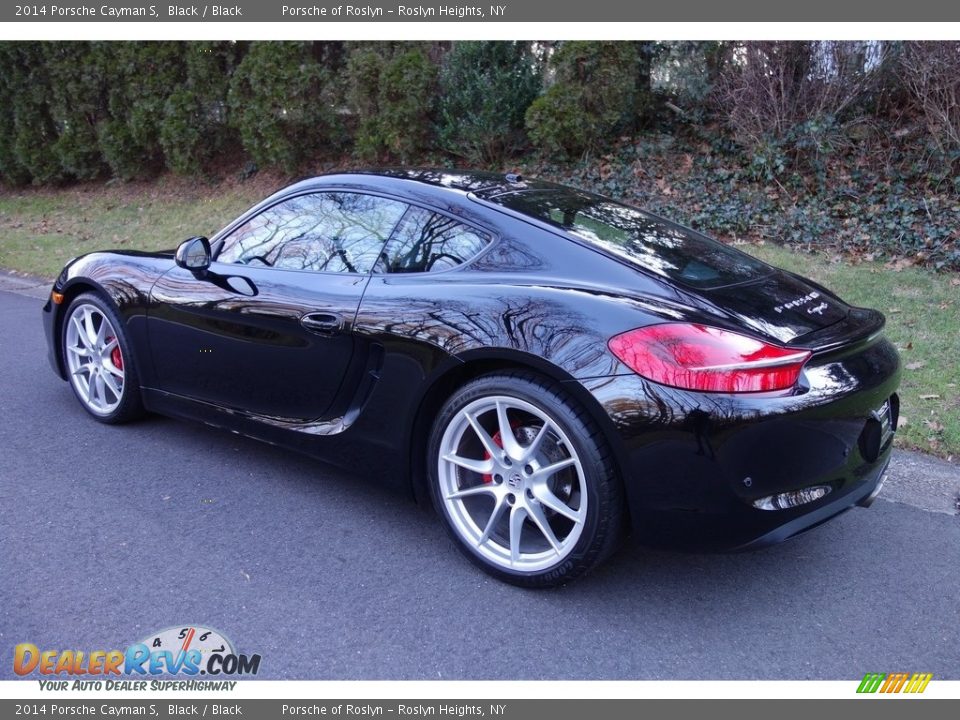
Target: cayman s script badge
797	303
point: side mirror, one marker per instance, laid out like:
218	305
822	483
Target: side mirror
194	254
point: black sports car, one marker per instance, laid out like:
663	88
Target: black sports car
553	368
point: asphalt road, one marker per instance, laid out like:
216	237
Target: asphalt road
109	533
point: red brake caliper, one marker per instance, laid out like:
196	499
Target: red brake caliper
116	357
498	441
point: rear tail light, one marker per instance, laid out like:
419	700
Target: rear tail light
698	357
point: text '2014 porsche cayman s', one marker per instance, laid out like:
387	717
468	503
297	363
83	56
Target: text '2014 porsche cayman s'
555	369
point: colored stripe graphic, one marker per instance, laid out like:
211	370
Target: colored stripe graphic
894	682
871	682
918	683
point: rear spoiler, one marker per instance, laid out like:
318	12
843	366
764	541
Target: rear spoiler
859	327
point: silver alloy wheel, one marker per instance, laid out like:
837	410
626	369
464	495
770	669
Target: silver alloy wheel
94	359
512	484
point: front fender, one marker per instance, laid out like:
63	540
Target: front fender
124	280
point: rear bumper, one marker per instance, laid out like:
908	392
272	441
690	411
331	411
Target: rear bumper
862	496
695	464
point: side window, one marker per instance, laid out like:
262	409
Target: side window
429	242
321	232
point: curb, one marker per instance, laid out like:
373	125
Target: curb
23	284
923	481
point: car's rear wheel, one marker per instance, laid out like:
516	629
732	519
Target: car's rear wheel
99	363
524	480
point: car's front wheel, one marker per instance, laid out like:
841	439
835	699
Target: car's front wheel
98	360
524	481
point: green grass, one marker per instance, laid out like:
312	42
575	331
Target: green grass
41	229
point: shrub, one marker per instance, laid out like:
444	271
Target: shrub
556	124
12	172
794	98
120	149
34	131
195	126
364	67
593	97
485	90
688	70
78	151
280	103
931	71
77	103
188	134
391	91
142	77
407	94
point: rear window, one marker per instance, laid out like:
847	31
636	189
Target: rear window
642	239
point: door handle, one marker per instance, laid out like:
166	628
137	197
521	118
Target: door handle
322	323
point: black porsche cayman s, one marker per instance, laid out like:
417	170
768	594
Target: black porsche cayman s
555	369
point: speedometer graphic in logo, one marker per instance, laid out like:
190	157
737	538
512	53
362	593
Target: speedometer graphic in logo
184	638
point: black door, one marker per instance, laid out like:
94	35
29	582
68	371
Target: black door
268	329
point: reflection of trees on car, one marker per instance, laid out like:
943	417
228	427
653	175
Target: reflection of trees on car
427	241
639	237
323	232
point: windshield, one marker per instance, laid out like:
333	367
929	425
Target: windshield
638	237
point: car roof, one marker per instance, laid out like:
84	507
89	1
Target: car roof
481	184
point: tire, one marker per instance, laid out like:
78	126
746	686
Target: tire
536	506
99	362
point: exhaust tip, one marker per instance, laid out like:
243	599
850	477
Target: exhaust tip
793	498
868	500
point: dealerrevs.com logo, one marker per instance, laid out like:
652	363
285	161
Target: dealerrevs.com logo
189	650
